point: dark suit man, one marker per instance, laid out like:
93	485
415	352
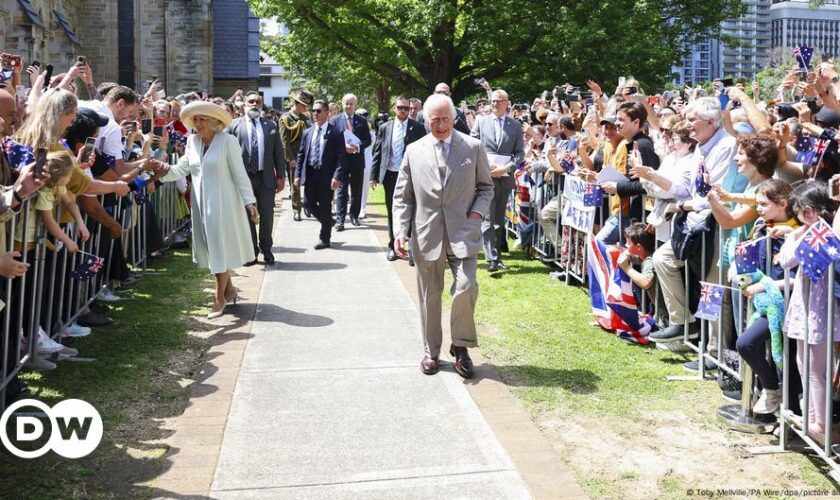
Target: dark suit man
460	118
500	135
391	140
262	154
354	162
320	168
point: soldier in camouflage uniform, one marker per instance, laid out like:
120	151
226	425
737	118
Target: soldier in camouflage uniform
292	124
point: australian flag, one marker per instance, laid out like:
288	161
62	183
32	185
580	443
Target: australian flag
804	149
88	268
700	183
140	196
711	301
803	56
817	250
592	195
747	257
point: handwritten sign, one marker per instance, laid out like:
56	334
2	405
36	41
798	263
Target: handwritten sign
575	213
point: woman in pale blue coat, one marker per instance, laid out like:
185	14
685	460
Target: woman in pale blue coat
220	188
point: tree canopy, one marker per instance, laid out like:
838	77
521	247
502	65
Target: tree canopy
524	46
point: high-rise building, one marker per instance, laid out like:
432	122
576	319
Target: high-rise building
753	31
700	64
795	23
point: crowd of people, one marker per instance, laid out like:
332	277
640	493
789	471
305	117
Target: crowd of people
683	179
702	177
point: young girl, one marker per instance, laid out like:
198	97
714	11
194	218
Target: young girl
809	302
776	218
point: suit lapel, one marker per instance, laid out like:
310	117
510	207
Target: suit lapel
456	156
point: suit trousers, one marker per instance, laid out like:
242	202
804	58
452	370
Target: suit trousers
318	197
389	183
670	274
464	292
290	176
350	190
493	226
265	206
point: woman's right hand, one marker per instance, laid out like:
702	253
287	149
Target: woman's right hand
72	247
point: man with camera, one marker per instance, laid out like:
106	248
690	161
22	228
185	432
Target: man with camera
501	137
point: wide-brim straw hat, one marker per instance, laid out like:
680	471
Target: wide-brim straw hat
204	108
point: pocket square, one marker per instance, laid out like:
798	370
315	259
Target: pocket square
466	162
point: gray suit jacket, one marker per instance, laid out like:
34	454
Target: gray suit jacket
274	163
429	208
512	143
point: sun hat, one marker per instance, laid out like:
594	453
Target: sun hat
204	108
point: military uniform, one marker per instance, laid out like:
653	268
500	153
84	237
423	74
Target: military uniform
292	126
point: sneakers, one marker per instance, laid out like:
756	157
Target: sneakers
676	346
693	366
39	364
46	345
517	245
107	295
75	330
68	352
94	319
734	396
769	402
674	333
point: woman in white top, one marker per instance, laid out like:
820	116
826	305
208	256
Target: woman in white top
220	189
672	182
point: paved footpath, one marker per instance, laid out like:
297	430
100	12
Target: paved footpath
330	401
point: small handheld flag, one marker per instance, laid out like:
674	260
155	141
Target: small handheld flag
747	257
592	195
818	249
700	183
711	301
88	268
803	56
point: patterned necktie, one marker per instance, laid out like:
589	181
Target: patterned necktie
398	144
254	159
316	156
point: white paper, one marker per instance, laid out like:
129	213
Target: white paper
610	174
498	160
351	140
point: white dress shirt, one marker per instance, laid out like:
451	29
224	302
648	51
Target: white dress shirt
323	129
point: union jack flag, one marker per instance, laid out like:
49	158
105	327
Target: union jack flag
818	249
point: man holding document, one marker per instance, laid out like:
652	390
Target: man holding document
502	140
356	139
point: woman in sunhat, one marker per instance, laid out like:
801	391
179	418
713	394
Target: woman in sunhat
220	188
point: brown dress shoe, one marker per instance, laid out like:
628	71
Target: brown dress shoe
463	363
429	365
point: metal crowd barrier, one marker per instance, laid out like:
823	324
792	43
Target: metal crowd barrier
55	300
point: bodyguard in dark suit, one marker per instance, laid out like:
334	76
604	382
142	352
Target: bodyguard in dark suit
391	140
499	135
320	168
354	162
262	153
460	118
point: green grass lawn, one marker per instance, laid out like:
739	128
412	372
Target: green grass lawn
134	384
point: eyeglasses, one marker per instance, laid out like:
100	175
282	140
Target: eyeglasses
494	101
402	108
441	92
316	111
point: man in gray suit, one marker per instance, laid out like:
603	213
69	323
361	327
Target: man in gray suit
443	191
500	135
262	153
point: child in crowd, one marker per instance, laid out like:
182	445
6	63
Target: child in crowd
809	302
641	244
776	219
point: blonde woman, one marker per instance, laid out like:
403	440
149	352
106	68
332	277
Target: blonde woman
220	188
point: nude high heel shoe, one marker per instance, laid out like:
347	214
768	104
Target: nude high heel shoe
219	313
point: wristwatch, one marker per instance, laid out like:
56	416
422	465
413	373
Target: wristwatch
17	196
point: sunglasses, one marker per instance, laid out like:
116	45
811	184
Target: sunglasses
319	110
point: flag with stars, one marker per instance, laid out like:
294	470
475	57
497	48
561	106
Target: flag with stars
592	195
805	149
700	183
803	56
88	268
817	250
711	301
747	257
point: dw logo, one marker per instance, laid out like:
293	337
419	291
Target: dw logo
74	429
